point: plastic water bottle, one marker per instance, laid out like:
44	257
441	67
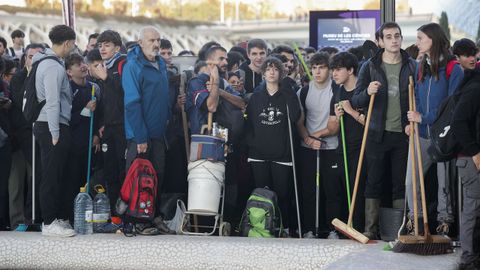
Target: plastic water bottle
101	209
83	210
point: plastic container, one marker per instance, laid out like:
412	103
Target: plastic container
390	221
101	209
83	213
205	180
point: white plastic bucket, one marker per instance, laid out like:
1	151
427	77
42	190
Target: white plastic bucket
205	180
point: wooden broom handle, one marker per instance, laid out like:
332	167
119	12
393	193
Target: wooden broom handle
422	180
360	160
183	80
411	142
210	116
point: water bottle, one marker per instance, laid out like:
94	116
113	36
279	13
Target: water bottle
101	209
83	210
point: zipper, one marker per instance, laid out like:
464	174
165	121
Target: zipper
428	102
260	199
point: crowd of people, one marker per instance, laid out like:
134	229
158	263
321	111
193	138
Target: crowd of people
258	93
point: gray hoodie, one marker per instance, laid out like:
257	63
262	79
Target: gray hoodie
52	84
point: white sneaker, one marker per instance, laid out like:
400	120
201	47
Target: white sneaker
333	235
56	228
65	223
309	235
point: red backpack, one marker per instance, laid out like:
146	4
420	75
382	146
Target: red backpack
139	191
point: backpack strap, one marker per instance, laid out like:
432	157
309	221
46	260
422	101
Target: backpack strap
120	66
303	97
449	68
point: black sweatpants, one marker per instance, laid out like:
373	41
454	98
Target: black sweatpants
5	163
54	158
392	150
76	173
352	162
176	167
278	178
114	161
330	183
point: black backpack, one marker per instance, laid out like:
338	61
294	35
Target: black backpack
444	147
262	217
31	106
231	117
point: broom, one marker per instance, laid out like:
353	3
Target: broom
347	229
427	244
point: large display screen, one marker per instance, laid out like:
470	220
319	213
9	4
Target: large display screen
342	29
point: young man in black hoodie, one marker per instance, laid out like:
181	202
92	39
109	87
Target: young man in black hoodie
386	76
344	68
82	107
466	127
111	120
268	135
290	64
257	52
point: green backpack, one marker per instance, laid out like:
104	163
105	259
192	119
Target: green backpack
262	217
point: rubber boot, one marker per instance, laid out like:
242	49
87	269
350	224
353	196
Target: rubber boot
398	204
372	207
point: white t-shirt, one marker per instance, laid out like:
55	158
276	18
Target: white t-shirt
318	112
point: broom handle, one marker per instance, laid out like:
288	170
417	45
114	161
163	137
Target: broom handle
422	182
33	174
412	156
210	115
345	161
360	160
184	116
90	135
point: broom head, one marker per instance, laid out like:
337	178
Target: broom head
349	231
420	245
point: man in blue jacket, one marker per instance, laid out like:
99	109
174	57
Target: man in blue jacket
147	106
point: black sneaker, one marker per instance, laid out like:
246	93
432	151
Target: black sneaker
162	227
468	266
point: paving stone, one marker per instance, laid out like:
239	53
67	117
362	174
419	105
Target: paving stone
28	250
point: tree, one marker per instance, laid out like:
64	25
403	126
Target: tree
444	23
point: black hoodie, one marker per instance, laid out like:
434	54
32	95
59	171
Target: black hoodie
252	79
466	119
267	125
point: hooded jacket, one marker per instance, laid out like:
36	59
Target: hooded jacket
147	97
430	93
52	85
466	119
372	71
111	109
267	124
